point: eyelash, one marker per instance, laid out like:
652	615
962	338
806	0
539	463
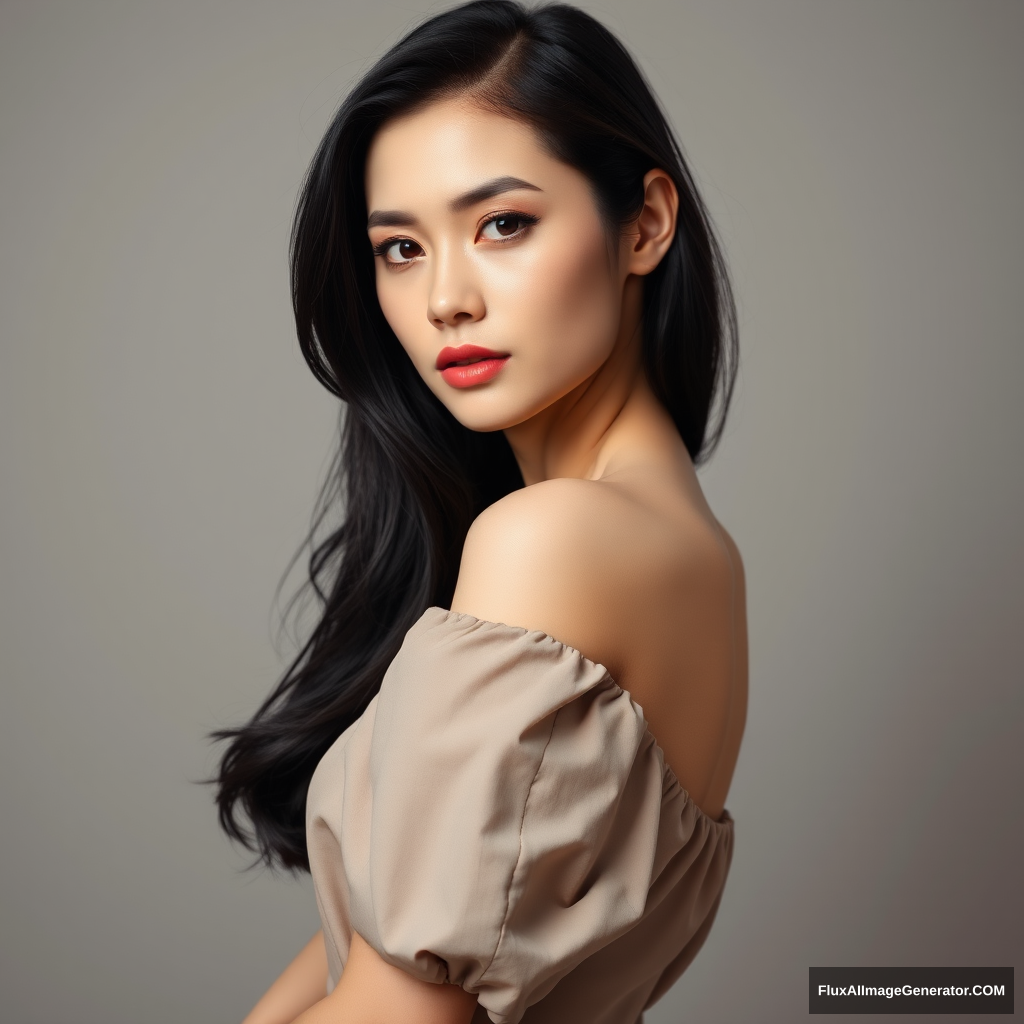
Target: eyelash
528	220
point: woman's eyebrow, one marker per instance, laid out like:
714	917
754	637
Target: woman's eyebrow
488	190
390	219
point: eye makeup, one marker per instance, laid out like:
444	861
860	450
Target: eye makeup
523	222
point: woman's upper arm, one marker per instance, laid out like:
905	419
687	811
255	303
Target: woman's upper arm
482	836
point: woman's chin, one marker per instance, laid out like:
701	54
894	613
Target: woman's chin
489	412
485	423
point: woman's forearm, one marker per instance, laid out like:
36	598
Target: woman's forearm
372	991
302	984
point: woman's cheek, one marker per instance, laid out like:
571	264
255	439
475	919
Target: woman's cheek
572	308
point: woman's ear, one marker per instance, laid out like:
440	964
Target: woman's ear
653	231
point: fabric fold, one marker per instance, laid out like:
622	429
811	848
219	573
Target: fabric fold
501	818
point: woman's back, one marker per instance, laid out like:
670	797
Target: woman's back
632	569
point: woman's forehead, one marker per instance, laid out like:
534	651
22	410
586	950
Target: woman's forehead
443	152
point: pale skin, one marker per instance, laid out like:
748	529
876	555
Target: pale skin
611	547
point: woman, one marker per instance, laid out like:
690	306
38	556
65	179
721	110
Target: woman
504	753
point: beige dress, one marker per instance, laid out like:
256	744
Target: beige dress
501	818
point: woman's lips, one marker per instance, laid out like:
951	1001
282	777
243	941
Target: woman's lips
478	365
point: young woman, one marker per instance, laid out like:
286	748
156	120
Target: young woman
504	752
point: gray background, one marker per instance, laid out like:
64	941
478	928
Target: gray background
161	442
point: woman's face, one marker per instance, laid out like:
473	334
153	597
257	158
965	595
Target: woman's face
485	243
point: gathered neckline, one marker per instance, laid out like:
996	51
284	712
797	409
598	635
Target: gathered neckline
724	822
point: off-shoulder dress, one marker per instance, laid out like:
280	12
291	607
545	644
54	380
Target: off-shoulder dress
501	818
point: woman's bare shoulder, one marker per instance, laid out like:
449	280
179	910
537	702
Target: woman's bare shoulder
585	562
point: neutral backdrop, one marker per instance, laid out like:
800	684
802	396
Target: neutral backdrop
162	441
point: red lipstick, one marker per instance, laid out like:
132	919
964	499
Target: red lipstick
477	365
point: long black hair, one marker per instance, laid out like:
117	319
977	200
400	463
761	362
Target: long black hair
408	476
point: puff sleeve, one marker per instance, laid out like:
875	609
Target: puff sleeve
492	819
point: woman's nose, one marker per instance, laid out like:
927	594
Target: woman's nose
455	296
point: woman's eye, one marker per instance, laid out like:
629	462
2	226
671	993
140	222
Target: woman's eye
404	250
506	226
